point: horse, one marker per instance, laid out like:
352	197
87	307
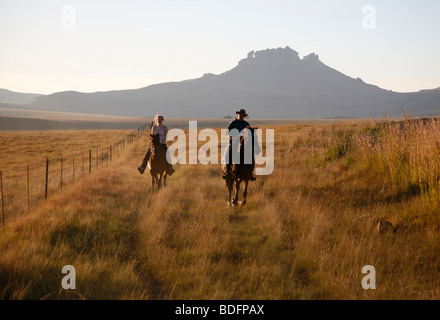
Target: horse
241	172
158	164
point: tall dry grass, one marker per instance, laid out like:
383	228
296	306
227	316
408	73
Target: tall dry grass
24	153
408	154
305	233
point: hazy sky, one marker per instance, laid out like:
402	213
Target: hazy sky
49	46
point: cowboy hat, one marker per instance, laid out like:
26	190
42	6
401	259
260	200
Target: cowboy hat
242	112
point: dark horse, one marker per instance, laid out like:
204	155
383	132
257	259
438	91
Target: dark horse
241	172
158	163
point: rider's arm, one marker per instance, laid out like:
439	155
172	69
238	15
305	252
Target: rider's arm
165	130
152	132
230	127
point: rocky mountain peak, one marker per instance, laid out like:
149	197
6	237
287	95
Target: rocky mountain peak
312	60
272	57
279	57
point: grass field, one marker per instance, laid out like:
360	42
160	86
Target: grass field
306	231
74	148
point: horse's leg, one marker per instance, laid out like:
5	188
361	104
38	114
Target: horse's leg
229	183
164	180
237	189
159	182
152	181
246	183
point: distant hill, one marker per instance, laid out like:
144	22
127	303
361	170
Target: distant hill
12	97
272	83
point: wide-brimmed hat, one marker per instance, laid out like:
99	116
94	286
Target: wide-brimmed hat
242	112
158	116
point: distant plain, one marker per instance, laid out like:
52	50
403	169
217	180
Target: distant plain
18	119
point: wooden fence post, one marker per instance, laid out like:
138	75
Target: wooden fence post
47	178
1	195
27	189
61	178
118	147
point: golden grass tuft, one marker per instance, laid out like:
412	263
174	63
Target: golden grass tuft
306	231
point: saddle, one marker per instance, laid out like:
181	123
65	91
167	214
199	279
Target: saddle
156	151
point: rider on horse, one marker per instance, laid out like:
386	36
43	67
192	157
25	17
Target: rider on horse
162	130
240	124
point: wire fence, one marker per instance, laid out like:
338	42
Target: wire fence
22	187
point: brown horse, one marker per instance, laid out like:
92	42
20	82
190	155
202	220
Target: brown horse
158	163
240	172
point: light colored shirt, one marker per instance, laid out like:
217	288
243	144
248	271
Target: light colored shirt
162	131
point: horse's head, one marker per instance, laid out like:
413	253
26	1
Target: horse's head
155	140
247	136
250	138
